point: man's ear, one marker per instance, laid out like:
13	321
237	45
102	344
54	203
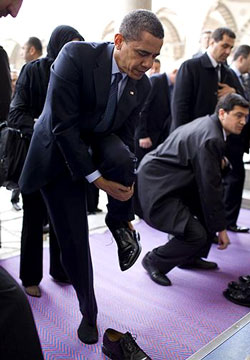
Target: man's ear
32	50
118	40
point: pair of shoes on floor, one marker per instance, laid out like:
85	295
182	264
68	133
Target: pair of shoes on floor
154	273
237	228
128	243
239	297
33	290
199	263
119	346
242	284
239	292
16	206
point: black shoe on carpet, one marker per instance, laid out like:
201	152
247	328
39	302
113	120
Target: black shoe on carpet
155	273
119	346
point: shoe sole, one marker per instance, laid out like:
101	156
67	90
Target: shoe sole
235	301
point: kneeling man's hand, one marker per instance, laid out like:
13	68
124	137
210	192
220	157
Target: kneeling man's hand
223	240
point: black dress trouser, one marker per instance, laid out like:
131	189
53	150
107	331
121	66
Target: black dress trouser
69	217
31	260
18	334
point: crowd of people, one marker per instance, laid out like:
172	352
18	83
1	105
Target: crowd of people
165	146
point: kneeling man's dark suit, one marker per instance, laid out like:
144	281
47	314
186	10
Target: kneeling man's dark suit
186	198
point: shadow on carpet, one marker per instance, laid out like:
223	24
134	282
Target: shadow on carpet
170	323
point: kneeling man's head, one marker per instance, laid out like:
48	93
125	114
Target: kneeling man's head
232	111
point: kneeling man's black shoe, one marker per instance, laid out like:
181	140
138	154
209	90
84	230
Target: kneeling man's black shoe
119	346
199	263
239	297
154	273
233	285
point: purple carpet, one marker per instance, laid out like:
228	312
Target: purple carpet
170	323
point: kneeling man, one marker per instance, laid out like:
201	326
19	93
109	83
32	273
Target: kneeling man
181	192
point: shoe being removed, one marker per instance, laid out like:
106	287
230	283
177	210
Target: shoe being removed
119	346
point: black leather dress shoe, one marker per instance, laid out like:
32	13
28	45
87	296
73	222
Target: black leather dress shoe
234	285
154	273
88	334
119	346
129	247
199	264
244	279
238	297
236	228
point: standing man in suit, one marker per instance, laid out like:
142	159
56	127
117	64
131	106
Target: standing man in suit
236	146
82	134
201	81
18	334
204	43
180	188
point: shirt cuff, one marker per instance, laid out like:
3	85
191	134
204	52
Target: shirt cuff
93	176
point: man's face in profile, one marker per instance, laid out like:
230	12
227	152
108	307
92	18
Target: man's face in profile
10	7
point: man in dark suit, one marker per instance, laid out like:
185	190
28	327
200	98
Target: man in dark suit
180	188
80	136
155	119
201	81
18	334
236	146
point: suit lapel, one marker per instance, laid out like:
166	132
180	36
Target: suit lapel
102	76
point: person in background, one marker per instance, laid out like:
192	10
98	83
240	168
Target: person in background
181	192
156	67
204	42
237	145
32	49
86	131
18	333
25	108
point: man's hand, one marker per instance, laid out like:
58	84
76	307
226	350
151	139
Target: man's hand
225	89
114	189
145	143
223	240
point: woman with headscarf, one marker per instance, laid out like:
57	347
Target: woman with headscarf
25	108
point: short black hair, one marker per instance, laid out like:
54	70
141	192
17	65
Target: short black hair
34	41
218	33
229	101
242	50
137	21
157	61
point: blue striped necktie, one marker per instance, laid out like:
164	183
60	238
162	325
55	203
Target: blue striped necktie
108	116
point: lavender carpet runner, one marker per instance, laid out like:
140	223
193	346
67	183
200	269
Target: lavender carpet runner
170	323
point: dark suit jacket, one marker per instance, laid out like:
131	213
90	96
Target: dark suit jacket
76	99
195	90
5	85
156	112
187	163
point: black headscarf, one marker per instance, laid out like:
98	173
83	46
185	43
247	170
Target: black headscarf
59	37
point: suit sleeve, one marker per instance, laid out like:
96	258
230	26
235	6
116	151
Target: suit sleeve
182	96
207	169
65	103
142	128
5	86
